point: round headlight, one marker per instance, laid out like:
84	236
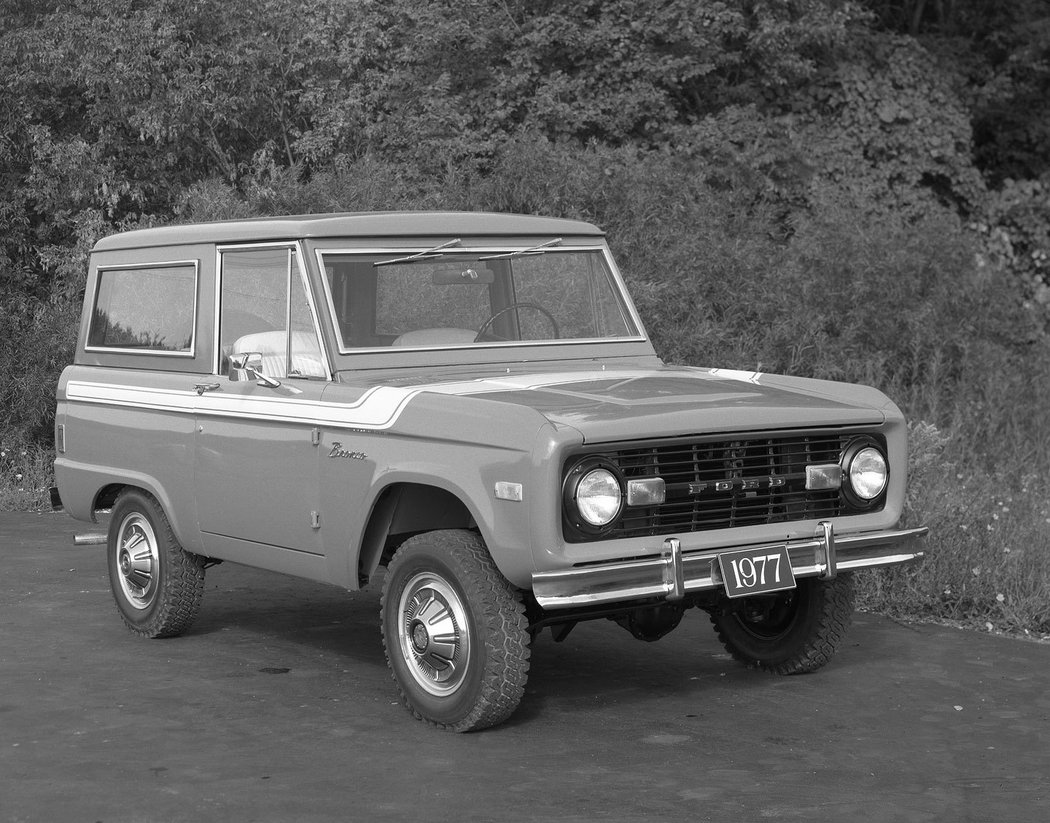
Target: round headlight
868	473
598	497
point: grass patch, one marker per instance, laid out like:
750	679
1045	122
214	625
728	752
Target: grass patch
26	475
987	564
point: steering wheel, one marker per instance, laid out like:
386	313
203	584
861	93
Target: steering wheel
488	323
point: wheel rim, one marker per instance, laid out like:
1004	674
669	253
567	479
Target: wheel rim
433	634
770	618
138	561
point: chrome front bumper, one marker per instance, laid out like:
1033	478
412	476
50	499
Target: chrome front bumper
674	574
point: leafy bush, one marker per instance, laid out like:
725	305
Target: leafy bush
36	342
890	130
1015	230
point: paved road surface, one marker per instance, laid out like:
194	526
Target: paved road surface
277	706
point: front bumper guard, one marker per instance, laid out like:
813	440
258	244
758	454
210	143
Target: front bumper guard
674	574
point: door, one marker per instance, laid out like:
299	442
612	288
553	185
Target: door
256	452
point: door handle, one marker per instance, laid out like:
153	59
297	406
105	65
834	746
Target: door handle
203	387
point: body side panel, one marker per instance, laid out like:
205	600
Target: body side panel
113	435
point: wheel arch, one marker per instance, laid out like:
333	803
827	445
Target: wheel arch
107	493
404	508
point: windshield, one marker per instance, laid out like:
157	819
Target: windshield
448	297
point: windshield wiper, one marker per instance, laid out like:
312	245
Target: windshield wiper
540	249
429	254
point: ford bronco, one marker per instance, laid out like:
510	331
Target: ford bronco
471	402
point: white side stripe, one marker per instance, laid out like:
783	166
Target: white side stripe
142	398
531	382
733	374
377	408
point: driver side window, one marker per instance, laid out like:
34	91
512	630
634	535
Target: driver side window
264	308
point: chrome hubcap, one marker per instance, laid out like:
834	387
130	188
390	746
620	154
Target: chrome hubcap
433	634
138	561
420	638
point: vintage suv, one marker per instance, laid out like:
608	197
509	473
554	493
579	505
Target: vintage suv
470	401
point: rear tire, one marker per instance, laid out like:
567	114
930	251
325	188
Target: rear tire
455	632
792	632
157	585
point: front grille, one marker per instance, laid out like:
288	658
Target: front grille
723	483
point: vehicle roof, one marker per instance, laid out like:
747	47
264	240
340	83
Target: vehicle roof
360	224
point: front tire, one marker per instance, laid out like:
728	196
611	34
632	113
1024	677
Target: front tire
792	632
455	632
157	585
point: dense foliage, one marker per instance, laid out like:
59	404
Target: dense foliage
850	189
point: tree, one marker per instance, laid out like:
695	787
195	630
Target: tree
114	106
1003	52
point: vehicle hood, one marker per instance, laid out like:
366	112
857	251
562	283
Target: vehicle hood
607	404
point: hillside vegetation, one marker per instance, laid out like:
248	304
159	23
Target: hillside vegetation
857	191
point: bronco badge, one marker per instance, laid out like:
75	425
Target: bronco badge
339	451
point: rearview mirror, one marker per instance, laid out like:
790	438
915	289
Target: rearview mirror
448	274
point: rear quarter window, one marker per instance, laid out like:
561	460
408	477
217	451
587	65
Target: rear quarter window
145	309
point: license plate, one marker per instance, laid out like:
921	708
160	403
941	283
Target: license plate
756	571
